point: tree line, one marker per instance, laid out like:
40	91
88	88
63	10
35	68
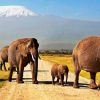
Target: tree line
62	51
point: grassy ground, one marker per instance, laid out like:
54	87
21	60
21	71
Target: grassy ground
3	77
61	59
67	59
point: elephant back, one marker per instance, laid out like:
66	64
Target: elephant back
86	54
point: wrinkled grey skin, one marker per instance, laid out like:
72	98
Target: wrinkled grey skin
3	57
58	71
20	53
86	56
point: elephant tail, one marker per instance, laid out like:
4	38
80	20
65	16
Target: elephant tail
75	60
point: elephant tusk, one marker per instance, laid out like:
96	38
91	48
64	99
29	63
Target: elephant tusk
39	57
32	57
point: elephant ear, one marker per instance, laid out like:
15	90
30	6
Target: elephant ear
36	44
29	44
32	43
21	48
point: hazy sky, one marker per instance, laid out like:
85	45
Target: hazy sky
60	24
74	9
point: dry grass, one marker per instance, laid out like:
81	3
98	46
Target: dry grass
67	59
3	76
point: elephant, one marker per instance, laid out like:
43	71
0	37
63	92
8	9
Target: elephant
20	53
3	57
86	56
58	71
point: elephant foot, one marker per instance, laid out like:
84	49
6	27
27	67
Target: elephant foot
9	80
53	83
62	85
9	68
58	83
66	84
35	82
75	85
14	69
93	86
99	85
20	81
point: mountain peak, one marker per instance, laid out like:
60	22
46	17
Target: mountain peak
17	11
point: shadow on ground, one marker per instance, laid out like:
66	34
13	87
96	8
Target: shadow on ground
81	85
3	80
38	70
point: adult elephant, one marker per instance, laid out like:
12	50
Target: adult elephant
20	53
3	57
86	56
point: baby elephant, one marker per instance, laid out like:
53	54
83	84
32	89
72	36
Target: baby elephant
59	71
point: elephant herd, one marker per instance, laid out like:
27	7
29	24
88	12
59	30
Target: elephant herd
86	56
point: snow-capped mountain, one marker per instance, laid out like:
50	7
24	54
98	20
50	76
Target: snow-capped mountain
16	11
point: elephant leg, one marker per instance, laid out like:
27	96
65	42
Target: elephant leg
77	72
20	74
10	74
66	78
92	82
0	66
57	80
4	66
34	81
62	79
36	70
17	74
53	80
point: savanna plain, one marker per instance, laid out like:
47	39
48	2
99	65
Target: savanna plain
45	90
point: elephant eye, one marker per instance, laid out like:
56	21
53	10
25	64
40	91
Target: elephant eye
26	49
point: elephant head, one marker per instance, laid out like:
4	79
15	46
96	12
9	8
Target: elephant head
21	52
29	47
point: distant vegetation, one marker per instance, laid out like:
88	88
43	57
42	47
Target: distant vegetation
62	51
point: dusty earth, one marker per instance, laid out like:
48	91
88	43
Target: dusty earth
45	90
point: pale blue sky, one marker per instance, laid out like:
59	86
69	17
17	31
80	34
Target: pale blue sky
73	9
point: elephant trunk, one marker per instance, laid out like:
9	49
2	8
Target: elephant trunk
35	67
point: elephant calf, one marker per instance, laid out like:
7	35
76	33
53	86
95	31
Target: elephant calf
58	71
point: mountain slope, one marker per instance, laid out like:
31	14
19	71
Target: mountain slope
7	11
